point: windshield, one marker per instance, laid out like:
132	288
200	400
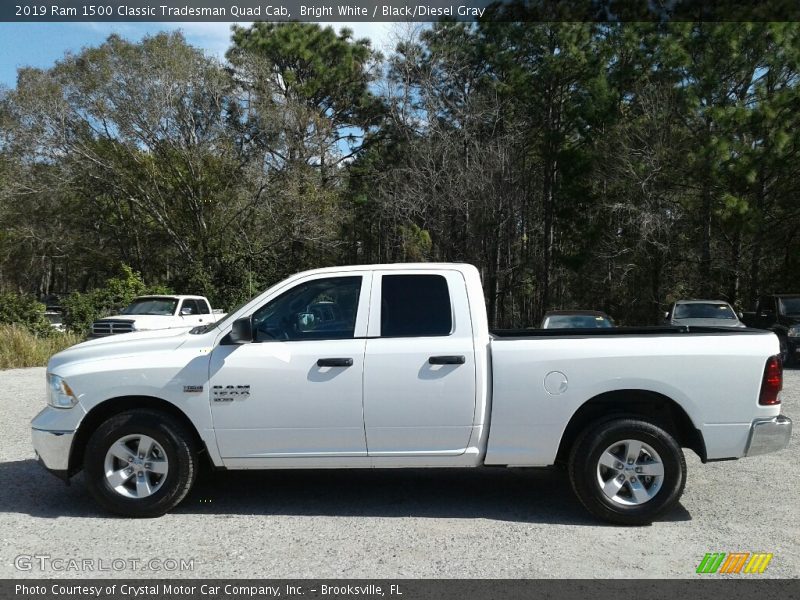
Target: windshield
576	322
704	310
790	306
151	306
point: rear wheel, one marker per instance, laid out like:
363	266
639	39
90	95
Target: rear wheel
140	463
627	471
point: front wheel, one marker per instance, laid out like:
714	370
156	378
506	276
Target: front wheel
627	471
140	463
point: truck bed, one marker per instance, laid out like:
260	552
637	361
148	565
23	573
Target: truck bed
541	377
510	334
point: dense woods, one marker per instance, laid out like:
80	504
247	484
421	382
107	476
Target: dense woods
578	165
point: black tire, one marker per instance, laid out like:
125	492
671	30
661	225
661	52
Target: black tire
584	469
181	455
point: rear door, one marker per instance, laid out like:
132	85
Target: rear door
190	313
419	368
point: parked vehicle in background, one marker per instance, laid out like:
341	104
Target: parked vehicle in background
779	313
55	316
576	319
395	366
702	313
158	312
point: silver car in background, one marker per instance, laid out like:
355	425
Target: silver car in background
703	313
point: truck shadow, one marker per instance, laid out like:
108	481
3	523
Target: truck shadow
516	495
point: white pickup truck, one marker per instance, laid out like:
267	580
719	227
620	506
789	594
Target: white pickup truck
158	312
395	366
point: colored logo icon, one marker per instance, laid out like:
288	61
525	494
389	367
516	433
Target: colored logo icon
734	562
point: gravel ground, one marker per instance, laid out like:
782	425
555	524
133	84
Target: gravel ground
393	524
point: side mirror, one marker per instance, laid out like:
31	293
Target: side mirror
306	322
740	314
241	331
666	316
186	311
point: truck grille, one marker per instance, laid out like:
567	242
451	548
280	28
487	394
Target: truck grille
111	327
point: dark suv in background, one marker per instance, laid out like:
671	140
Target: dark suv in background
779	313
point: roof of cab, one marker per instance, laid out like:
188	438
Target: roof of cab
170	297
392	267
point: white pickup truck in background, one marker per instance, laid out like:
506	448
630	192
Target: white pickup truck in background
395	366
146	313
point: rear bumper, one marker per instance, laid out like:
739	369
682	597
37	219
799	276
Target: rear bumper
769	435
52	450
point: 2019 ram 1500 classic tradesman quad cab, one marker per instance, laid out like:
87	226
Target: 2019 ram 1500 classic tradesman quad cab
395	366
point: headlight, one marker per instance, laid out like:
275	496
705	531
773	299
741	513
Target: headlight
794	331
59	394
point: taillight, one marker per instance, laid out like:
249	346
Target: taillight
772	383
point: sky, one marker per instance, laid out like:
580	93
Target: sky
41	44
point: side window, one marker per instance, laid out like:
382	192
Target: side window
321	309
415	305
203	307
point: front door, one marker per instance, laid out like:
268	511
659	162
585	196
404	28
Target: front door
297	389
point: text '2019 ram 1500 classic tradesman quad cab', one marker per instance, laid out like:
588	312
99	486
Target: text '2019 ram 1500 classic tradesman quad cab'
395	366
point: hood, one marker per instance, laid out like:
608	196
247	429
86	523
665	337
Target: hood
117	346
709	322
144	322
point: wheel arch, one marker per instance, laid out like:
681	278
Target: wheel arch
114	406
655	407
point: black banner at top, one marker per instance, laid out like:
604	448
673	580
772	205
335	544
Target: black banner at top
609	11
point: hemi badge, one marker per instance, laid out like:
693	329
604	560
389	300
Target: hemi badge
192	389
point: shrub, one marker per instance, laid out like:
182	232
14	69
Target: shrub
25	310
19	347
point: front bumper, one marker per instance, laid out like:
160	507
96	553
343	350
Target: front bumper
52	450
769	435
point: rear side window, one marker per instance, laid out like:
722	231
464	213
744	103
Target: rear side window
415	305
203	307
190	307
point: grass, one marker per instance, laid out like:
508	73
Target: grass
20	348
